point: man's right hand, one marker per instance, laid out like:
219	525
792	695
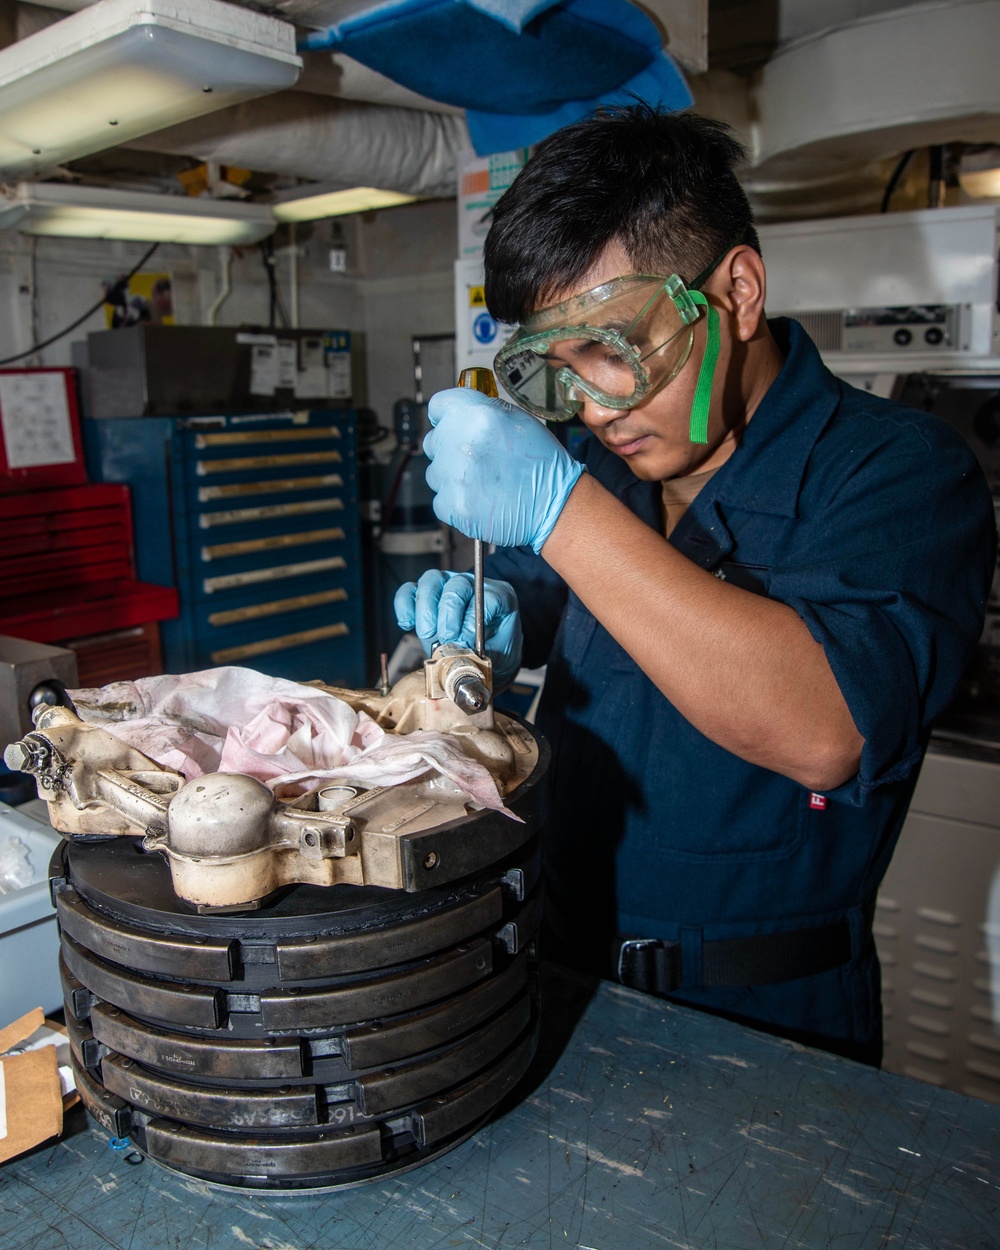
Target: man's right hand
440	608
497	474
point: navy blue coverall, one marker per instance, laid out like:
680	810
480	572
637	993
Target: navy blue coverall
875	524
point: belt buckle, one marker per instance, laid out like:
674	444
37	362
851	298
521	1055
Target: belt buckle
649	964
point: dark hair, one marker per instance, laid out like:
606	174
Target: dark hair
662	184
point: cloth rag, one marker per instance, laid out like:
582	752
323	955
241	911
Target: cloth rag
287	735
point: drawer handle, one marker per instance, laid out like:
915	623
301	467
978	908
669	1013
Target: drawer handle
233	581
233	616
241	437
275	486
273	542
241	463
267	512
230	655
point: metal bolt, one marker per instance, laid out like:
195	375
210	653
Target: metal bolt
471	694
430	860
17	757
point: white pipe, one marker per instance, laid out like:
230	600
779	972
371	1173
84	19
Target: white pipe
326	140
293	276
225	286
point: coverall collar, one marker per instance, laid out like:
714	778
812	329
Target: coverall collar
765	471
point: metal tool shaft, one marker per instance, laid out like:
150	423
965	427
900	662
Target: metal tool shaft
480	599
479	380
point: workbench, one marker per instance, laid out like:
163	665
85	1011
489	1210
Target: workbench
642	1125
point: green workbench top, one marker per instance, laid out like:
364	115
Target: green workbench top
642	1127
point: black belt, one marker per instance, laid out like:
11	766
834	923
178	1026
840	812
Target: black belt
656	966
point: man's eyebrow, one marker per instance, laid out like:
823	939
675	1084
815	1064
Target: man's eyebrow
580	345
619	323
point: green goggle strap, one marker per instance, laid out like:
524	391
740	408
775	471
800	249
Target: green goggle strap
706	376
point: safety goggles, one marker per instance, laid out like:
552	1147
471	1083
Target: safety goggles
616	345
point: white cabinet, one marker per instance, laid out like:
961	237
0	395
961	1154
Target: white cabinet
937	928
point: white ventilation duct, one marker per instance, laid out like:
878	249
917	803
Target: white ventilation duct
908	78
330	141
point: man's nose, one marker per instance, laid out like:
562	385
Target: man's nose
596	416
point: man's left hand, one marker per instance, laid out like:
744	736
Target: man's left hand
497	473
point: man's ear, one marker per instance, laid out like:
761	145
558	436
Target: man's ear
744	287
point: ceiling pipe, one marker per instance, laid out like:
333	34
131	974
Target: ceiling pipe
225	284
338	142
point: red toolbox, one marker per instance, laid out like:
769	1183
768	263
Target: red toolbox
68	566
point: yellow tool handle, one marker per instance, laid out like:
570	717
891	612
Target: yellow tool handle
480	380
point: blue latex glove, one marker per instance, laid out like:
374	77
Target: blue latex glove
497	473
440	608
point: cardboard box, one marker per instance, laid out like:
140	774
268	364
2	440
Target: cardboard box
36	1083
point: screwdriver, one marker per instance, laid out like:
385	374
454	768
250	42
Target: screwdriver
479	380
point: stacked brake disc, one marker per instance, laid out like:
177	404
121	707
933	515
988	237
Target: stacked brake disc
333	1035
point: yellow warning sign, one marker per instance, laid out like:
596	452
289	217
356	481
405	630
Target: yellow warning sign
477	297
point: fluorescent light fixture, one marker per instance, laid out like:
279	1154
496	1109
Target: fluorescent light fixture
315	202
96	213
120	69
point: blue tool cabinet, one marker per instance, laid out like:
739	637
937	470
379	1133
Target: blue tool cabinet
254	518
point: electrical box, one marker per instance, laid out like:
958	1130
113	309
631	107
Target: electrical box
891	293
24	667
152	371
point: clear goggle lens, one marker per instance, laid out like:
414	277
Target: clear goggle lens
616	345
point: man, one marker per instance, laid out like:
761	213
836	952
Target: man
754	594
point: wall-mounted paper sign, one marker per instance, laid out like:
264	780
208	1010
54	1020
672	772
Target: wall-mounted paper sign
38	420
